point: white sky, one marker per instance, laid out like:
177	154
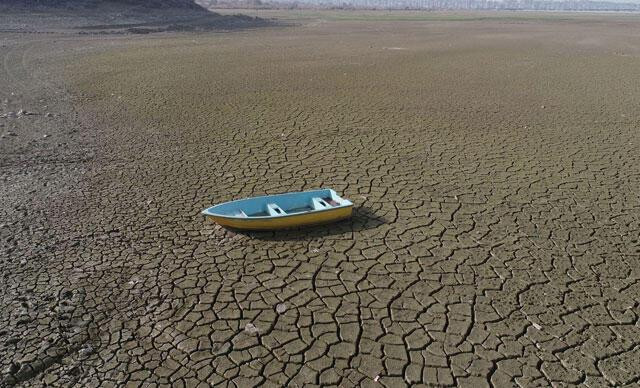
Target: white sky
609	1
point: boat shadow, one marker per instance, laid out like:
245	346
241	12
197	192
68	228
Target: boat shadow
363	218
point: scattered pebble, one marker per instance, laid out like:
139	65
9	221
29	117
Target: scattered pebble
86	351
281	308
75	371
12	341
24	319
538	327
376	378
14	367
23	262
49	114
45	136
251	328
22	112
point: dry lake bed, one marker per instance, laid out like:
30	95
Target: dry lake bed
493	158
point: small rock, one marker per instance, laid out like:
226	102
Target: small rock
75	371
14	367
22	112
250	328
24	320
542	106
45	136
23	262
86	351
12	341
49	114
538	327
281	308
11	134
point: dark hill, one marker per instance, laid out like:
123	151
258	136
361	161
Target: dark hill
83	4
117	17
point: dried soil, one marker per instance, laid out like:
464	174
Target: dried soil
493	163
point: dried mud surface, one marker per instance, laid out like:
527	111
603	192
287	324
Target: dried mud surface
494	164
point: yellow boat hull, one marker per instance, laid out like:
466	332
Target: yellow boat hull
284	222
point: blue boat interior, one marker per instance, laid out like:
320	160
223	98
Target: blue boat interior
280	204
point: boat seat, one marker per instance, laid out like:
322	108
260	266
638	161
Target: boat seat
319	203
240	213
275	210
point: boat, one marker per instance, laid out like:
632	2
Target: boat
281	211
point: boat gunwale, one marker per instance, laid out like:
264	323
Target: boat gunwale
249	218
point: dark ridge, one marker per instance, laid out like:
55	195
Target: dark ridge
117	17
89	4
211	22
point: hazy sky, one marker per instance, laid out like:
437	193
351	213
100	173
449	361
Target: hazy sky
610	1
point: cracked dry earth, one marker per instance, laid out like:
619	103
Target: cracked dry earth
494	165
